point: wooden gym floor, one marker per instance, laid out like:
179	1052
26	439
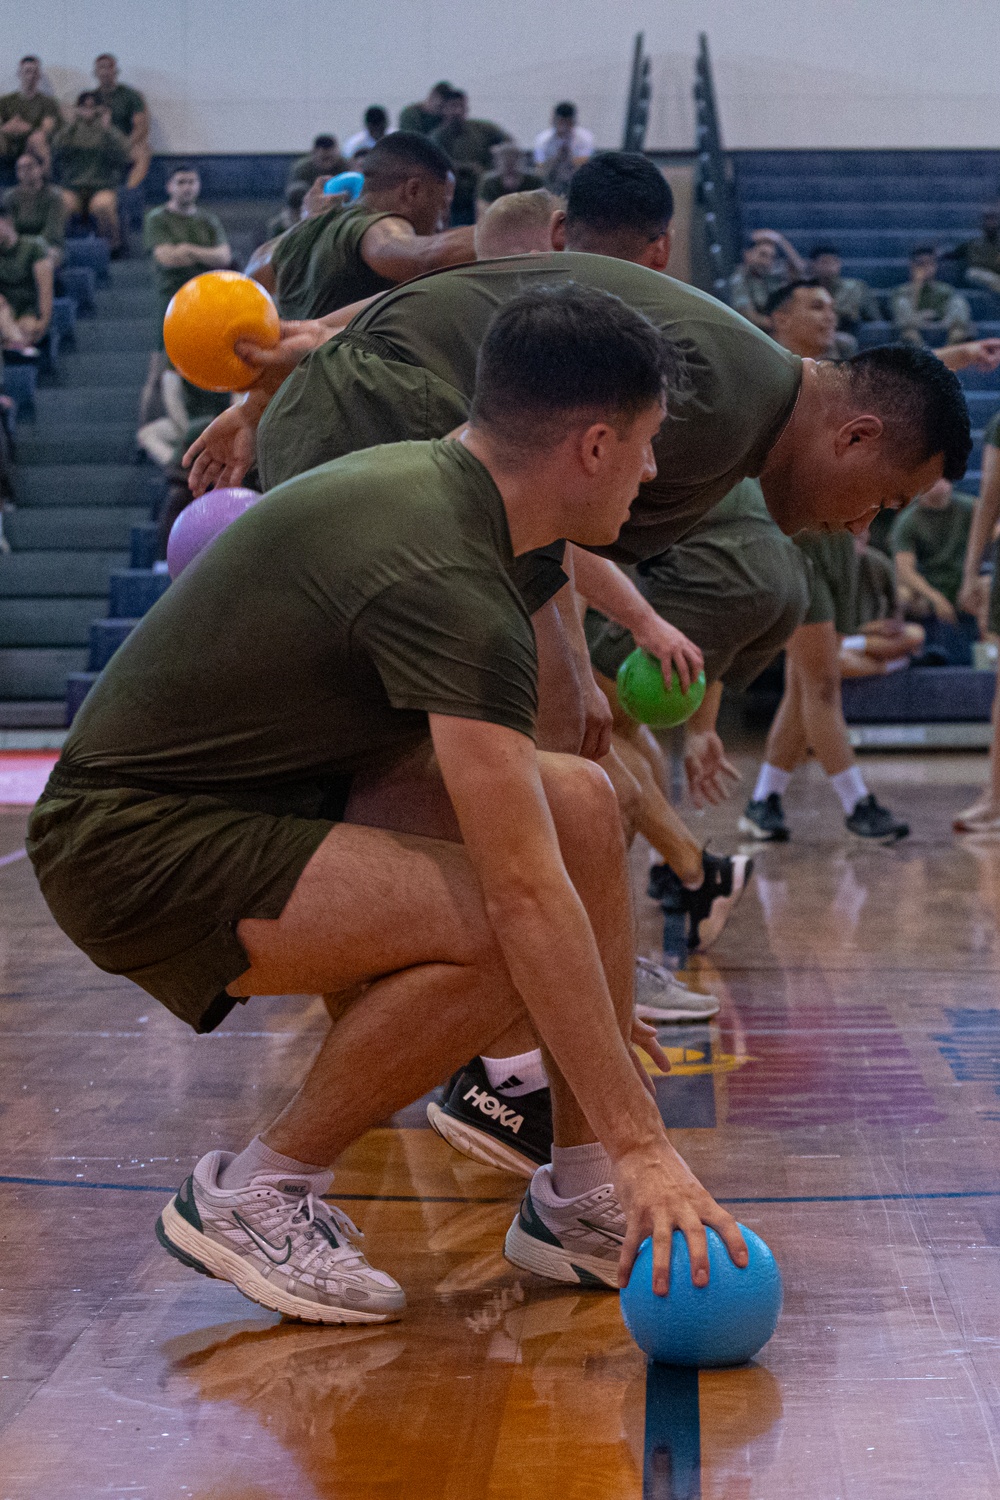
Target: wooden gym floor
847	1106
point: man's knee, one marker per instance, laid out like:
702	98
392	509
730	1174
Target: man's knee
580	795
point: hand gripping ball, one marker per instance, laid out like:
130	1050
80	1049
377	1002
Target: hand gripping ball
723	1323
643	693
200	523
203	321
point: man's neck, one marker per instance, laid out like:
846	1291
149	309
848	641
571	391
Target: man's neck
779	465
532	523
181	208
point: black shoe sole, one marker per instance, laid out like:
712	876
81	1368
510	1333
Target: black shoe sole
479	1145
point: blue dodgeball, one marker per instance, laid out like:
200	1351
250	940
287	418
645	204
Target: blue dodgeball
351	183
724	1323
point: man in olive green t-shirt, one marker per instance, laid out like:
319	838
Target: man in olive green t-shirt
28	118
91	160
37	207
469	144
228	838
929	542
394	231
26	282
127	112
324	160
429	113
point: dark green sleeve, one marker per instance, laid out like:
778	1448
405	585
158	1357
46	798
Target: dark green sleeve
992	433
217	227
453	642
117	145
155	231
901	538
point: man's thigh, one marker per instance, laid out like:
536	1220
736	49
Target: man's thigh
369	903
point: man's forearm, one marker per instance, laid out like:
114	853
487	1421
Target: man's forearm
606	588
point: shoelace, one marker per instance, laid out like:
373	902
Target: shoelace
660	974
303	1214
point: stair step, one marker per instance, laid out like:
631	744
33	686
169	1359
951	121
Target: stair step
105	636
122	368
127	304
95	404
39	671
133	591
47	622
67	575
78	685
91	528
23	725
45	485
116	335
77	443
131	275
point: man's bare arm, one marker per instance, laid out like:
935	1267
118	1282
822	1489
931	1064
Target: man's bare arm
985	516
391	248
491	775
607	588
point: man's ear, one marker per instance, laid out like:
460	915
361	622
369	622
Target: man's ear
558	229
657	253
593	444
865	429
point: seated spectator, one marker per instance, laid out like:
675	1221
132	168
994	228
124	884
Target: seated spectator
470	144
183	240
429	113
509	175
291	213
562	148
981	256
516	224
26	282
36	207
802	316
923	305
376	126
854	299
324	160
91	159
929	541
762	274
883	640
127	112
28	118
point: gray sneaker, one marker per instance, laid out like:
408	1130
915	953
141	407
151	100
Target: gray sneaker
280	1244
573	1240
660	998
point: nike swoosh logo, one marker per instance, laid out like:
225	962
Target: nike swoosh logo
276	1254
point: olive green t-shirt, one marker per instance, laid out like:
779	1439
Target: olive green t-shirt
414	117
33	111
124	103
304	169
90	155
17	279
876	587
316	634
833	595
42	213
492	186
318	265
742	385
938	538
165	226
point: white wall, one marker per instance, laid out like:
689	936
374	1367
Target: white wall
244	75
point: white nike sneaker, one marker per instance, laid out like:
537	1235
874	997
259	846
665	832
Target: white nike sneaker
660	997
280	1244
572	1240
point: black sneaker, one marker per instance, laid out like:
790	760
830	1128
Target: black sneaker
870	820
711	905
666	888
514	1134
765	820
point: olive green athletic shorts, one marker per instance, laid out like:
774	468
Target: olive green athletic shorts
739	606
151	885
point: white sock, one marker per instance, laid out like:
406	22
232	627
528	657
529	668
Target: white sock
579	1169
514	1076
771	779
850	788
259	1160
897	663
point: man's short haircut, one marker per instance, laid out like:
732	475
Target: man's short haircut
553	356
818	250
619	193
102	55
444	88
919	399
404	154
785	293
30	57
89	96
183	167
919	252
324	142
516	224
376	115
565	110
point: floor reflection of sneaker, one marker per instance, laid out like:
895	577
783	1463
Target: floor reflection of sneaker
279	1244
870	820
712	904
576	1241
514	1134
765	820
660	998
